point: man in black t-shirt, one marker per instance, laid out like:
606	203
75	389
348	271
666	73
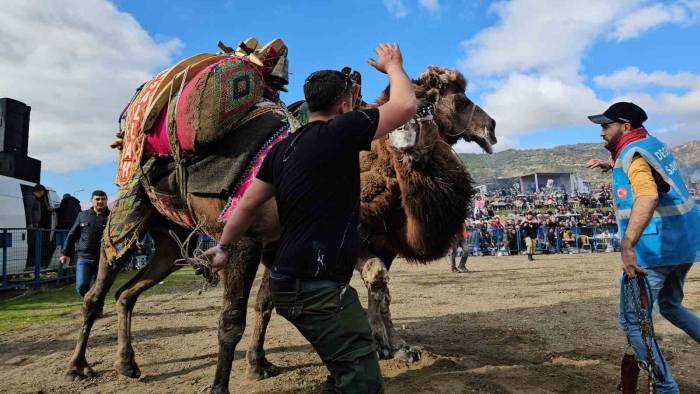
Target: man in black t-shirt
314	176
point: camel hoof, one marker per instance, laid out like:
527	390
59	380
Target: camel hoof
79	372
128	369
383	351
219	390
408	354
265	370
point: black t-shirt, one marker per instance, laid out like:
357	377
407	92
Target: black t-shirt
316	176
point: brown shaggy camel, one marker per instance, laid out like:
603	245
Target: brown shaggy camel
433	204
413	202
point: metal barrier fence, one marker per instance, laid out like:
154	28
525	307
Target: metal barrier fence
30	257
511	241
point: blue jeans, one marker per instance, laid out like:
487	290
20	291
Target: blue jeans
85	272
666	288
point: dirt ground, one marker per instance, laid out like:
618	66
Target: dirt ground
509	326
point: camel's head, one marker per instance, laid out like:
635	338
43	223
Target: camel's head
415	139
456	115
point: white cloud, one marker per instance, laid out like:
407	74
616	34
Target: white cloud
633	77
647	18
526	103
76	63
547	37
534	55
432	5
678	113
397	8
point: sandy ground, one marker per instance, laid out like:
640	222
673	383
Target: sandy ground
507	327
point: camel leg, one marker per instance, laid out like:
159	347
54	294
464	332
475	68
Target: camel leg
389	342
161	265
78	367
237	277
258	366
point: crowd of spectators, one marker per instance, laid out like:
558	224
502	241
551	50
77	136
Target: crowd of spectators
565	223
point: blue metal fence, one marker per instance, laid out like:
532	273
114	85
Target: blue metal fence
30	257
510	241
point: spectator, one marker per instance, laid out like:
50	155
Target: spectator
460	245
84	239
67	212
529	228
37	213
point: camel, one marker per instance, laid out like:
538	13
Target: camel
413	202
455	117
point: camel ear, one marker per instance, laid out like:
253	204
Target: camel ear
432	96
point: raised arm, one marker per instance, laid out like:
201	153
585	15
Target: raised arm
402	100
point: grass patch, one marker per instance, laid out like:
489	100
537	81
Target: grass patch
58	302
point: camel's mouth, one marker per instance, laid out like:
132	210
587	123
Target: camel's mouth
485	143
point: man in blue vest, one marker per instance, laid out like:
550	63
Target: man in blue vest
659	224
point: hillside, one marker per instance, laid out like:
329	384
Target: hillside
566	158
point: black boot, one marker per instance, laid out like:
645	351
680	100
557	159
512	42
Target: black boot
463	268
529	258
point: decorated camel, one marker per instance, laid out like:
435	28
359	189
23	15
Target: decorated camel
174	183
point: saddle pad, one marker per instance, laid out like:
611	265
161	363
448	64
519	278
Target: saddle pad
209	106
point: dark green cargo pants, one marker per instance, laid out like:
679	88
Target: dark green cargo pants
330	317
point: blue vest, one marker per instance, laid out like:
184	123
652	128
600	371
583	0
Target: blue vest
673	233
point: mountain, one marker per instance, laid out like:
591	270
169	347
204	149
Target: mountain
486	169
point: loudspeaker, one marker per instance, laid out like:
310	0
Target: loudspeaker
14	126
16	165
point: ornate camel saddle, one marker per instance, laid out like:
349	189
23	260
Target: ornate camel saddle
198	127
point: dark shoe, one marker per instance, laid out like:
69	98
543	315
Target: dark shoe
463	269
454	269
529	258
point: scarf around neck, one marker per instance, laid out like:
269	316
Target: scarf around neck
626	139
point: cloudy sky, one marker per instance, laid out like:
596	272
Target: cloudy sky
537	66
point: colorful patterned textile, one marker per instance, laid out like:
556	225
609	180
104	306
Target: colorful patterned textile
219	170
247	178
209	106
134	138
126	220
172	207
215	100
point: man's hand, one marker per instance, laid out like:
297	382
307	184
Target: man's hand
603	165
629	260
218	257
389	56
64	260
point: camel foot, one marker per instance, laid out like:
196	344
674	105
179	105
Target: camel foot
219	390
262	370
384	350
79	371
409	354
128	368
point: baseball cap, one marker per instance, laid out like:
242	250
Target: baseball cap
622	112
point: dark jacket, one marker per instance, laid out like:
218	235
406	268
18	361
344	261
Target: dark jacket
85	235
68	211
